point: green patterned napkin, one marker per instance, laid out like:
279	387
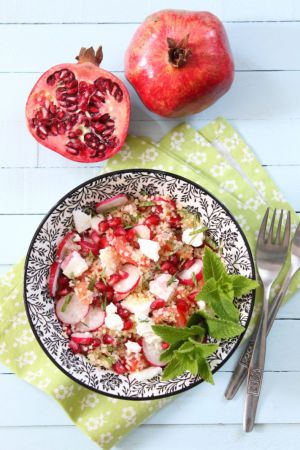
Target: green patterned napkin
215	157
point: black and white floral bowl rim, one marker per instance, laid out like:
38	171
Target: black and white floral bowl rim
40	307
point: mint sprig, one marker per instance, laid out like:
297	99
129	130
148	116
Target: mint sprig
220	320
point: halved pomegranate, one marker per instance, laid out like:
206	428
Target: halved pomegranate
79	110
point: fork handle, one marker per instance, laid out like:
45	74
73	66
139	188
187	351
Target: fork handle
240	372
256	367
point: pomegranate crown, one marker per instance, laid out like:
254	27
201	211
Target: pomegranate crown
89	55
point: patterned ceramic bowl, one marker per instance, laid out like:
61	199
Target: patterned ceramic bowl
40	307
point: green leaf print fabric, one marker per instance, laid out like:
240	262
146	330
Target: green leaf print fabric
217	158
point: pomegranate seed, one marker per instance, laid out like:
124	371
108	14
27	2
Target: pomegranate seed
96	343
114	222
63	292
192	296
103	226
174	259
175	222
188	264
123	313
103	242
168	267
95	237
130	234
119	368
114	279
152	220
74	347
100	286
157	304
63	282
128	324
69	330
165	345
182	306
108	340
87	247
119	231
110	294
158	209
140	341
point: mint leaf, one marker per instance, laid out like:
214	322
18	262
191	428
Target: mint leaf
199	230
223	329
204	371
192	366
212	265
205	349
172	334
167	355
219	296
242	285
176	367
195	319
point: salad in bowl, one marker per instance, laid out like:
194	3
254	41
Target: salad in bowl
145	295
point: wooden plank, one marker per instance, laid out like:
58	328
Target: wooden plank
148	437
118	11
26	198
245	38
240	103
205	404
275	142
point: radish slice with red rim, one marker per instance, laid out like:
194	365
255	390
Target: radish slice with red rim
66	245
82	338
129	283
93	320
152	350
186	275
114	202
53	277
70	310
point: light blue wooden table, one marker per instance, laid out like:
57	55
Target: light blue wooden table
264	104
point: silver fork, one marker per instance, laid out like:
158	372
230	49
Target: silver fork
271	252
240	372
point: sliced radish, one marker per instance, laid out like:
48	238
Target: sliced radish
114	202
166	200
82	338
129	283
186	275
93	320
72	312
53	277
152	350
66	245
119	297
161	286
142	231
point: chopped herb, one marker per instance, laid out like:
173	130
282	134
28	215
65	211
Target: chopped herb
68	298
200	230
92	282
110	348
128	227
102	276
211	243
91	256
157	266
103	302
144	320
85	324
148	203
72	276
195	279
144	193
110	360
171	280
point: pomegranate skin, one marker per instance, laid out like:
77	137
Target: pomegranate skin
204	76
68	135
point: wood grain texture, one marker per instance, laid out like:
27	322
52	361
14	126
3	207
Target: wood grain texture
264	105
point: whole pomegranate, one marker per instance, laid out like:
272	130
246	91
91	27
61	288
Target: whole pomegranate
79	110
179	62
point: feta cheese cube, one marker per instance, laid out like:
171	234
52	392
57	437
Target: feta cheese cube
149	248
82	221
109	260
132	347
114	322
74	265
95	221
